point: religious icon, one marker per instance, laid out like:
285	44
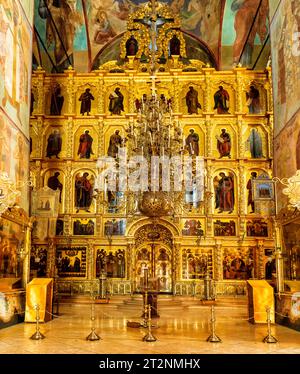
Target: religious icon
83	227
85	145
174	46
270	268
38	261
131	46
224	144
83	192
115	143
55	184
192	143
250	191
116	102
255	142
57	101
71	262
221	97
86	102
192	102
257	228
54	144
224	192
253	102
224	228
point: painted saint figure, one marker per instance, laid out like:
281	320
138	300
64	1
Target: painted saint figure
174	46
246	12
116	102
57	101
224	193
62	21
220	98
250	190
55	184
84	192
85	145
115	143
131	46
103	29
192	143
86	102
54	144
253	101
224	144
192	102
255	142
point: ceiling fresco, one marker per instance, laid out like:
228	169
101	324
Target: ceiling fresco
77	31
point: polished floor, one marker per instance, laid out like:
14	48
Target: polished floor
183	327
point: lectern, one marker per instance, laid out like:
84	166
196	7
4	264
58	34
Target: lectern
260	296
39	292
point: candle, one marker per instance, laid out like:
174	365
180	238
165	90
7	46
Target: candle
142	151
169	135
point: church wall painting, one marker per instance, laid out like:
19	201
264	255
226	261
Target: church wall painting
12	235
238	17
71	262
12	306
285	66
286	162
106	19
15	64
14	158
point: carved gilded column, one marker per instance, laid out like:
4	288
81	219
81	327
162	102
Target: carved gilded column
240	190
35	174
217	260
260	259
40	105
208	130
39	138
207	91
175	95
90	259
239	89
101	95
209	202
27	249
240	141
176	265
131	103
51	258
101	150
69	138
69	187
71	92
269	89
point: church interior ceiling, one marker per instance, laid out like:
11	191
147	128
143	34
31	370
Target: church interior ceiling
86	33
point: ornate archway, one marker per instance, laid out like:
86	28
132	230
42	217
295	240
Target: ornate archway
153	259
